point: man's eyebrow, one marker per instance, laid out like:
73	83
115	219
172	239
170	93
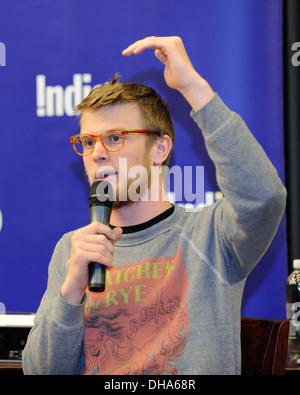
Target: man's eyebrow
97	132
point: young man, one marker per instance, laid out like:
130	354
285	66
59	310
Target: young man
174	279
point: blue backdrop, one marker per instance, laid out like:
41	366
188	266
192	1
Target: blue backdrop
56	51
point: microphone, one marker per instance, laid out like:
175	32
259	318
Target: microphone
100	206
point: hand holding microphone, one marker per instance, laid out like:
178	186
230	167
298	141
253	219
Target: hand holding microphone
100	206
92	243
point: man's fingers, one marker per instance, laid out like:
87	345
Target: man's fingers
146	43
118	233
95	240
160	56
98	228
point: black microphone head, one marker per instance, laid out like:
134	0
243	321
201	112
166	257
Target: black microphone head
101	194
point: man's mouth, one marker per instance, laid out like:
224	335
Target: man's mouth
105	174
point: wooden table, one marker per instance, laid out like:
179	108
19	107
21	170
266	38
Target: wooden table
11	368
292	367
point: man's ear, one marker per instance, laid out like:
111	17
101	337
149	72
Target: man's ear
161	149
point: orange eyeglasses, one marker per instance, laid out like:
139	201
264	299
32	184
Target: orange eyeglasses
112	140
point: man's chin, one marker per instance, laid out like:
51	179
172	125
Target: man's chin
123	203
130	200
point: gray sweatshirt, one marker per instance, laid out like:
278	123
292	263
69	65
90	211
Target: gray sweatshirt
172	302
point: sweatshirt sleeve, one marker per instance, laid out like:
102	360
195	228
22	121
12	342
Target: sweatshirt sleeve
254	197
54	343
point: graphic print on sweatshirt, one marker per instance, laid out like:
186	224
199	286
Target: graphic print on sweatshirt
140	324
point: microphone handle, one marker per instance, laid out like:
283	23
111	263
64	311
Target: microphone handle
96	270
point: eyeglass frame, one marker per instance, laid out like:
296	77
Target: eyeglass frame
142	132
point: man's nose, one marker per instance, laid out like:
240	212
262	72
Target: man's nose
100	151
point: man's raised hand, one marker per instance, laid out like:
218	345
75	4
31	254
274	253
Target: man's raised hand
179	72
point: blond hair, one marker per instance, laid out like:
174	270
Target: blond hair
154	110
